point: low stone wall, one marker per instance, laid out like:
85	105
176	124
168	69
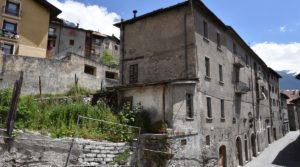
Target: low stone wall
29	149
99	153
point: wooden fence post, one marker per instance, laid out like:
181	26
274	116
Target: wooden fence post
13	106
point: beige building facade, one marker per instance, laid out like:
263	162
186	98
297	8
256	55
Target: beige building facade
24	26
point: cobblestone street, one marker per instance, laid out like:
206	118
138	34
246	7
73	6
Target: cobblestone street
281	153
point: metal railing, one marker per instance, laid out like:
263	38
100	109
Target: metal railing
9	34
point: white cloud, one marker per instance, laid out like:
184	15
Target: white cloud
91	17
282	29
280	56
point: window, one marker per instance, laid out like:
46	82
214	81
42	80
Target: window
71	42
205	30
218	40
207	67
221	72
207	140
51	31
10	27
12	8
133	73
208	103
116	47
222	109
189	105
234	48
97	42
8	48
89	69
111	75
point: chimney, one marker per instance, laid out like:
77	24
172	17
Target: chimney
134	13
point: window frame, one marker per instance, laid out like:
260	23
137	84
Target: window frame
205	29
11	49
208	107
207	67
133	73
71	42
5	22
189	105
18	5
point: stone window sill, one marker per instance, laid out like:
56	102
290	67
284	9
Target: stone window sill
221	83
189	119
207	78
209	120
206	39
222	119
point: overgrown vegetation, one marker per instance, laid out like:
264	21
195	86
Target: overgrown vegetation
59	119
108	60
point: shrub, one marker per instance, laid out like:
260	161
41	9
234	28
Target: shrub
108	59
77	91
5	98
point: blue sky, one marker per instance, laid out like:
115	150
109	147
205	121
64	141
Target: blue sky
270	27
255	20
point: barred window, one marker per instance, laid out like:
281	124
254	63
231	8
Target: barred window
133	73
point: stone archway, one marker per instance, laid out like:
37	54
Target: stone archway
269	136
253	145
239	151
222	156
246	148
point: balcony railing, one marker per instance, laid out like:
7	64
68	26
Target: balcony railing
239	62
241	88
258	75
9	34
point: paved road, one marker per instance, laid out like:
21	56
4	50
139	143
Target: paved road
284	152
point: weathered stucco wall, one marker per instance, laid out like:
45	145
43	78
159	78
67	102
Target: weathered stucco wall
161	54
56	75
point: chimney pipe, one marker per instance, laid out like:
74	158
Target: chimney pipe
134	13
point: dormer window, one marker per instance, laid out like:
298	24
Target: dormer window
12	8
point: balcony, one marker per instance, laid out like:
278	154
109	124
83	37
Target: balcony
8	35
258	75
239	62
241	88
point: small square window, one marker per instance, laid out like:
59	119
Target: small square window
89	70
12	8
8	48
72	42
116	47
111	75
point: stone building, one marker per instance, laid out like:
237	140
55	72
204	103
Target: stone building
65	37
293	109
193	72
22	32
284	113
55	76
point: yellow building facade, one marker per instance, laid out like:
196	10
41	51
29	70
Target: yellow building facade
24	26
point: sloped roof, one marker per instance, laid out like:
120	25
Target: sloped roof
54	11
292	94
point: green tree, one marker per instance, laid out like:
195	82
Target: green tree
108	59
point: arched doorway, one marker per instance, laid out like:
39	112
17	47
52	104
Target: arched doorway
274	134
253	145
269	136
258	142
239	152
222	156
246	148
